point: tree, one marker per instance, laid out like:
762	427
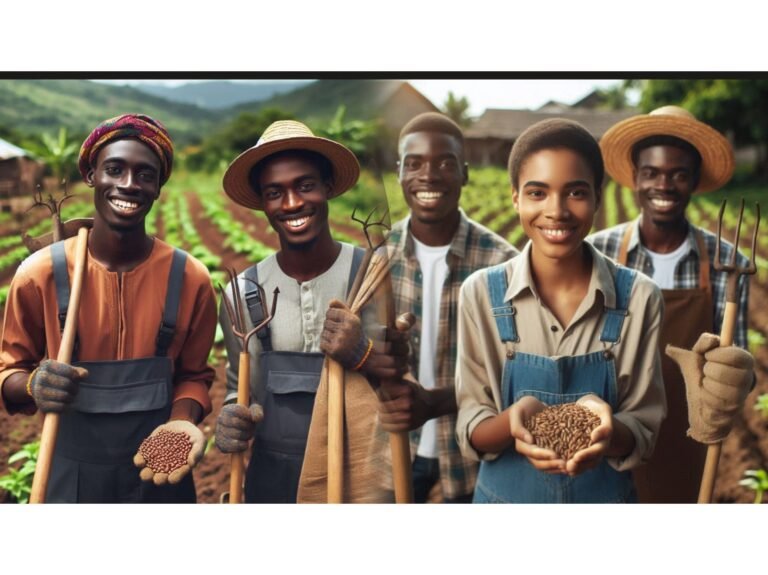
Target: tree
734	107
458	110
357	135
59	154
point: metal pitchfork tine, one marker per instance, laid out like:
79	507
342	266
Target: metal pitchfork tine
367	223
237	319
729	324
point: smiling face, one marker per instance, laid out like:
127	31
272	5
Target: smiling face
432	172
556	201
664	181
295	198
126	182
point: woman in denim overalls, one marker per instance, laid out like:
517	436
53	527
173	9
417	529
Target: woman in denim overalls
556	171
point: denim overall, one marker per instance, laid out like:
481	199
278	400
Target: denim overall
511	478
115	409
289	382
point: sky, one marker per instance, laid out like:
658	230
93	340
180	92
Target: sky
481	94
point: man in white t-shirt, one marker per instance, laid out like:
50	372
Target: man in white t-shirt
665	157
433	250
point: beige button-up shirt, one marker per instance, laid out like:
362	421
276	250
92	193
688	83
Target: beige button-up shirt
481	353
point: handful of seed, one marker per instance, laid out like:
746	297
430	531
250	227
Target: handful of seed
565	429
166	451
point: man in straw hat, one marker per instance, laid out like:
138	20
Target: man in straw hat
665	157
144	332
290	174
434	249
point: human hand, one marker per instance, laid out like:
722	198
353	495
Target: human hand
342	338
391	364
236	425
403	405
169	451
600	438
53	385
717	381
522	410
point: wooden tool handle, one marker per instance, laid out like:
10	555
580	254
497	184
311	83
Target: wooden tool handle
335	432
237	461
707	487
51	421
400	442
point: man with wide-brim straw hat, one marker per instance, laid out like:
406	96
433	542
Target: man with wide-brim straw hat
665	157
290	174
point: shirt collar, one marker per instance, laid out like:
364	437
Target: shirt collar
634	240
600	280
458	243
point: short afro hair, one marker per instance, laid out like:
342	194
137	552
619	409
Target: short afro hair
557	133
433	122
321	163
675	142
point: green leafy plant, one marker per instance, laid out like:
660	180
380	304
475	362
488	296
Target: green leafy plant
756	479
761	404
18	481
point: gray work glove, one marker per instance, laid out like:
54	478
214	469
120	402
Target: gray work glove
343	339
717	381
236	425
54	385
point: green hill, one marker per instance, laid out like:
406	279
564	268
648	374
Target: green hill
35	106
319	100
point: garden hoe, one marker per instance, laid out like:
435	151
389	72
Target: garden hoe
726	333
236	316
60	231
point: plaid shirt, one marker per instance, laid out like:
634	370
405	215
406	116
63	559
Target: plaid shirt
473	247
687	271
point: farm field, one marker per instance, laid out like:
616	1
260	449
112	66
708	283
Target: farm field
193	213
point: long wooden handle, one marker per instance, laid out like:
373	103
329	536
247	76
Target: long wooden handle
51	421
335	432
237	463
707	487
400	443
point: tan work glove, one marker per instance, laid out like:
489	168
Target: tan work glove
717	381
236	425
197	439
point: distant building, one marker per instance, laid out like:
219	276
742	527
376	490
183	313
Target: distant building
490	138
19	175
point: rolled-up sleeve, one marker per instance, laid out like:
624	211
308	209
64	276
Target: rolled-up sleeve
476	368
642	403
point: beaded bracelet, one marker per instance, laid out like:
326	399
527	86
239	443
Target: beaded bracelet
29	383
365	356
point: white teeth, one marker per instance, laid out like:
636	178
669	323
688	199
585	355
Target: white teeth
124	205
552	233
662	203
426	196
297	223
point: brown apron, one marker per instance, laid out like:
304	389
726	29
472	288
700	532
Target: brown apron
673	474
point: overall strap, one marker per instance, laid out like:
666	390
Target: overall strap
172	299
61	278
504	313
357	259
255	308
614	318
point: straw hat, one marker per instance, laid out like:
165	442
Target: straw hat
288	135
717	161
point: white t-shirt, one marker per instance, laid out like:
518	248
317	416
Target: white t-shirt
664	265
434	270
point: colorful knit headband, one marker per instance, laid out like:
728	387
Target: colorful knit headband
129	126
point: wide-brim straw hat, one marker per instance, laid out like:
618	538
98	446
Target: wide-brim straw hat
717	162
288	135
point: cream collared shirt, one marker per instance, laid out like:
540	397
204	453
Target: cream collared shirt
481	354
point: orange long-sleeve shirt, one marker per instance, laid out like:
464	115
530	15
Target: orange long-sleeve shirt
118	318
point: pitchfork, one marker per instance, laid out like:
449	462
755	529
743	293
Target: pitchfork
237	319
729	325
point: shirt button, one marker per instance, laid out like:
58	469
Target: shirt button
553	328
